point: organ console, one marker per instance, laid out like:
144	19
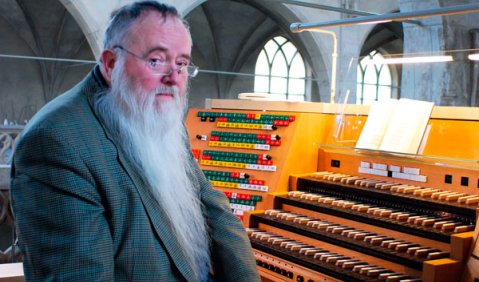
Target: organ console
317	209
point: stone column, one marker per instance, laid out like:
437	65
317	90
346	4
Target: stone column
420	81
445	84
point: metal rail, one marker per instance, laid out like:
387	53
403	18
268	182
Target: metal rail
444	11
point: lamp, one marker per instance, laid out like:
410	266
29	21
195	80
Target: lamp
414	60
473	57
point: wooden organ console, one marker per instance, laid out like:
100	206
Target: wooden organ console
330	212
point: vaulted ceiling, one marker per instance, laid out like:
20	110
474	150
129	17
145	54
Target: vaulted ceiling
43	29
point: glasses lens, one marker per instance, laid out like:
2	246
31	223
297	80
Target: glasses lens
192	71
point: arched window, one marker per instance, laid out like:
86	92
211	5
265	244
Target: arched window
280	70
374	80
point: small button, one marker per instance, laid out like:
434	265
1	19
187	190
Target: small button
335	163
448	179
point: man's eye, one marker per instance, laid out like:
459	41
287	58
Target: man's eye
182	64
155	62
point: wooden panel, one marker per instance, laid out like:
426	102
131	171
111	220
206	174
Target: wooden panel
297	153
441	270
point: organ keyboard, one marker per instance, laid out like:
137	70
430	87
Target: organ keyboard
339	265
318	209
357	227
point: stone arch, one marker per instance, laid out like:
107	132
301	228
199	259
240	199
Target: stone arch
228	35
93	19
33	33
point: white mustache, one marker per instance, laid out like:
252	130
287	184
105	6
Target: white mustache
172	90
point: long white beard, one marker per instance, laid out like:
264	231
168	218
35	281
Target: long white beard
155	139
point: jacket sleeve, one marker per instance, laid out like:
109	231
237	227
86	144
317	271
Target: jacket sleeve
231	251
62	229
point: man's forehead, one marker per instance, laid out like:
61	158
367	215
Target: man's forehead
155	25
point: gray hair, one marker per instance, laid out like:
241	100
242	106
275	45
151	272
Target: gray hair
122	18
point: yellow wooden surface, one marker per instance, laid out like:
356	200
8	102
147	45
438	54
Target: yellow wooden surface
454	130
441	270
460	245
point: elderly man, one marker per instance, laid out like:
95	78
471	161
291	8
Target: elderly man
104	187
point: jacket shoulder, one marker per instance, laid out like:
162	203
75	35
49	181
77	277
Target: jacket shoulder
67	109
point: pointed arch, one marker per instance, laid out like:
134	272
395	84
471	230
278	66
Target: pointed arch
375	81
280	70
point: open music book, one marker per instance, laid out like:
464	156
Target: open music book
395	126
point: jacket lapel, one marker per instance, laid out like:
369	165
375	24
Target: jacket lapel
158	218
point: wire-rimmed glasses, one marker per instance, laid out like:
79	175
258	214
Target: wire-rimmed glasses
163	67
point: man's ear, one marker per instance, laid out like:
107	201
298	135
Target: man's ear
108	61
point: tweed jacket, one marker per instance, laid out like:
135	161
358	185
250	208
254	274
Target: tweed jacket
85	213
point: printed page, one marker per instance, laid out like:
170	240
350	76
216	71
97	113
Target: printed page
407	126
379	116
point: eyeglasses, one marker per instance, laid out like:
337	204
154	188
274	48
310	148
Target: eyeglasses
159	66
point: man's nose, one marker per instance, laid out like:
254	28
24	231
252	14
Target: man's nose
171	78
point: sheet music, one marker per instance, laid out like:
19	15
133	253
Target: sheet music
396	126
379	116
407	126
